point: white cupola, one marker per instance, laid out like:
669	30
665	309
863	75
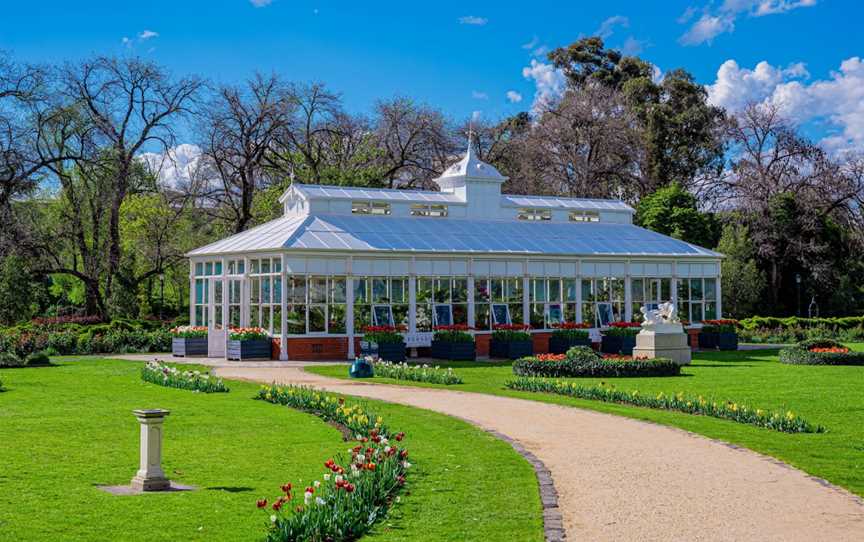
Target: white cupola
475	181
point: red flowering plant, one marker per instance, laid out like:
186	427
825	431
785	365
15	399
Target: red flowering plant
383	334
719	326
247	333
457	333
511	332
570	330
189	332
622	329
354	490
551	357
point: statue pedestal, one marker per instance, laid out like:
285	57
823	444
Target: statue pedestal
671	344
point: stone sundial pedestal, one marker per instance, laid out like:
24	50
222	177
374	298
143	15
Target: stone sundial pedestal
662	336
150	476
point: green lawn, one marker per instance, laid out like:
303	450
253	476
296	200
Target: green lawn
830	396
66	429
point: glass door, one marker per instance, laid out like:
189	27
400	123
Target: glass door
216	320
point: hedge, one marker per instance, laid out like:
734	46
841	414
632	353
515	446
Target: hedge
581	361
770	322
801	354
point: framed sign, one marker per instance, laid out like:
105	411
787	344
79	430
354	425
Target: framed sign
382	315
443	315
554	314
500	313
604	314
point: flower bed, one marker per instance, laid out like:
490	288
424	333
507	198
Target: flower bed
566	335
511	341
248	343
353	493
820	352
454	343
189	341
581	361
416	373
620	337
157	372
388	341
787	422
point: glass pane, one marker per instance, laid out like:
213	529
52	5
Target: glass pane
538	287
684	310
442	291
199	291
218	268
460	290
337	319
253	266
317	319
586	290
554	290
710	310
569	291
481	316
637	290
424	317
695	289
277	290
498	293
400	315
277	319
424	290
234	292
695	312
481	290
617	287
255	290
265	290
683	291
265	265
265	317
199	269
362	317
234	316
296	317
604	289
277	265
516	313
554	314
460	313
232	267
199	316
588	314
361	290
399	290
241	267
317	290
217	292
570	312
665	289
338	290
537	315
379	291
514	291
254	315
710	292
208	268
298	290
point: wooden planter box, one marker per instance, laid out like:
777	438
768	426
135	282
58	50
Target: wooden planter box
708	341
510	349
454	351
560	345
195	346
248	349
392	351
718	341
618	345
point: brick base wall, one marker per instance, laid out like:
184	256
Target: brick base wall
693	337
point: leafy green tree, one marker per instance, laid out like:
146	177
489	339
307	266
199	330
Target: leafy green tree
16	290
743	283
672	211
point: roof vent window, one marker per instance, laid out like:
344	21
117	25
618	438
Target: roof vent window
370	208
534	214
427	209
584	216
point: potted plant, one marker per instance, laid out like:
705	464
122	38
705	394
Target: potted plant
248	343
385	341
511	341
189	341
454	343
566	335
719	334
620	337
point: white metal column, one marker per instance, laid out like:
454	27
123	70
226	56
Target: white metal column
192	321
349	314
578	299
628	297
412	303
226	320
471	317
719	296
244	295
283	302
526	304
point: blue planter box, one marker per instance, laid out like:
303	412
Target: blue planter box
510	349
248	349
196	346
718	341
454	351
708	341
560	345
618	345
392	351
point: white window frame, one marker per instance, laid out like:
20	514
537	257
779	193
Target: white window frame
492	313
375	321
435	321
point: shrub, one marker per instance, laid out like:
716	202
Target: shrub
820	352
248	334
581	361
37	358
159	373
833	324
415	373
511	332
189	332
9	359
622	329
458	333
355	492
382	334
727	410
570	331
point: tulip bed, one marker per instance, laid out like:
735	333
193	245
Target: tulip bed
581	361
354	493
787	422
820	352
159	373
416	373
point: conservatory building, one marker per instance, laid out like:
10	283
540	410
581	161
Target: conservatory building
341	259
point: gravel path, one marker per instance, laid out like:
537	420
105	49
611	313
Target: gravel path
623	479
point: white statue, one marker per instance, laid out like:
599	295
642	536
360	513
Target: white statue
663	319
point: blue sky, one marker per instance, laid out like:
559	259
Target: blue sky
465	57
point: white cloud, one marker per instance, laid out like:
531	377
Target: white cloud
632	46
531	44
514	97
835	103
261	3
176	168
549	83
477	95
607	27
712	23
147	34
473	20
